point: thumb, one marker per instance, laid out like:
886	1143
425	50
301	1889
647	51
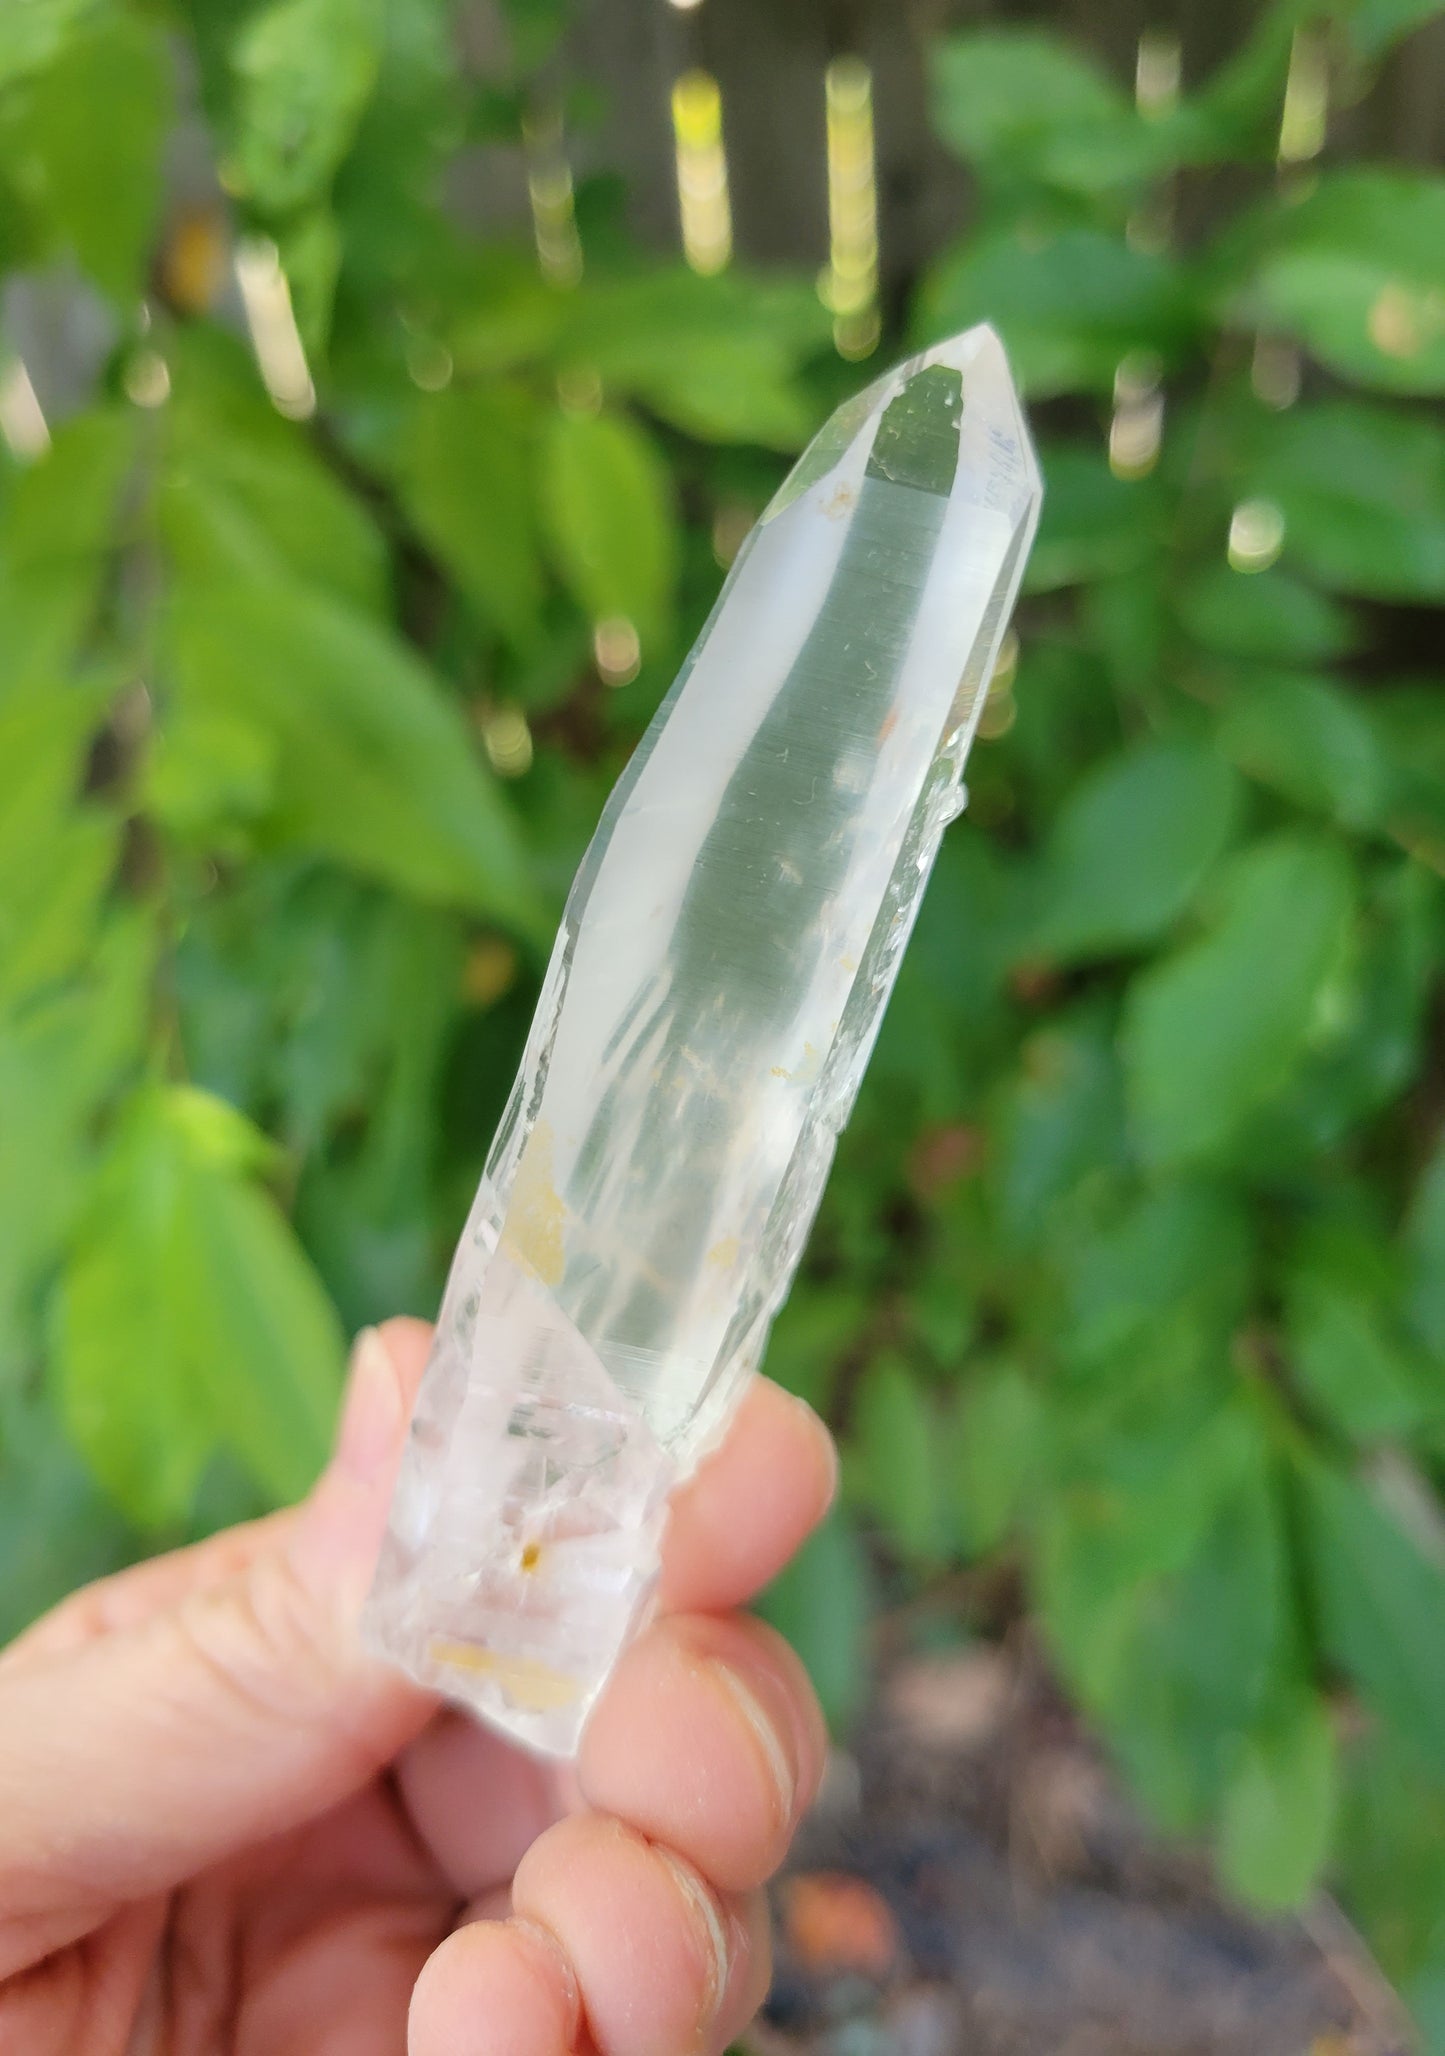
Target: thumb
240	1706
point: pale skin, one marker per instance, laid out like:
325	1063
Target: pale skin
224	1831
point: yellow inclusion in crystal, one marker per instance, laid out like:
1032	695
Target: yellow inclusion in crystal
537	1215
533	1686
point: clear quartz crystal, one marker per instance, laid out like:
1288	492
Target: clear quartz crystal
713	998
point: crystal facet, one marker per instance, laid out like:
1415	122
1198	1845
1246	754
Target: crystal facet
722	967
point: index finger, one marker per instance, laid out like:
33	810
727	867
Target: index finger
736	1523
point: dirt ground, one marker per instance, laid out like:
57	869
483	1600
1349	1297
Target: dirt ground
974	1883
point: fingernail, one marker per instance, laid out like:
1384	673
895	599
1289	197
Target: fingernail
770	1742
370	1417
710	1925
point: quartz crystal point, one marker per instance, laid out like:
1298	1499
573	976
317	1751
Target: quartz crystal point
725	956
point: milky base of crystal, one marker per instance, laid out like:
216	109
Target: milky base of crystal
714	995
523	1540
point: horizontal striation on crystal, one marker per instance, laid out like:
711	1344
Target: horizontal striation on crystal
727	950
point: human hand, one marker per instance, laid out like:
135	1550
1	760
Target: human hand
224	1827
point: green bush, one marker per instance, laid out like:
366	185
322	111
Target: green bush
1131	1278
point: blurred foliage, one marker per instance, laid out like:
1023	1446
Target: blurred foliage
1129	1291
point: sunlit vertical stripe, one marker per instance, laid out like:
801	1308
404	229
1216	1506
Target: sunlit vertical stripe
507	739
1157	67
1305	115
1256	535
266	297
1157	70
550	193
616	650
22	420
1136	429
851	281
702	172
1275	370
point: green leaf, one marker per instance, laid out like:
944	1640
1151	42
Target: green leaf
1393	1856
731	391
1347	1359
304	71
810	1337
897	1457
942	1310
309	249
57	1532
52	907
1069	306
372	763
1279	1807
1087	1589
823	1603
188	1317
1354	271
466	470
1130	848
1373	1019
1182	1245
1058	1121
502	315
1380	1604
62	1057
269	1339
61	511
33	35
534	27
244	493
1001	1431
1373	25
994	88
1362	492
626	325
1215	1028
1312	741
1093	524
607	503
210	778
1148	1519
1238	109
1264	615
1165	1590
972	914
85	143
128	1386
1023	106
55	856
1406	721
1425	1254
716	357
56	533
